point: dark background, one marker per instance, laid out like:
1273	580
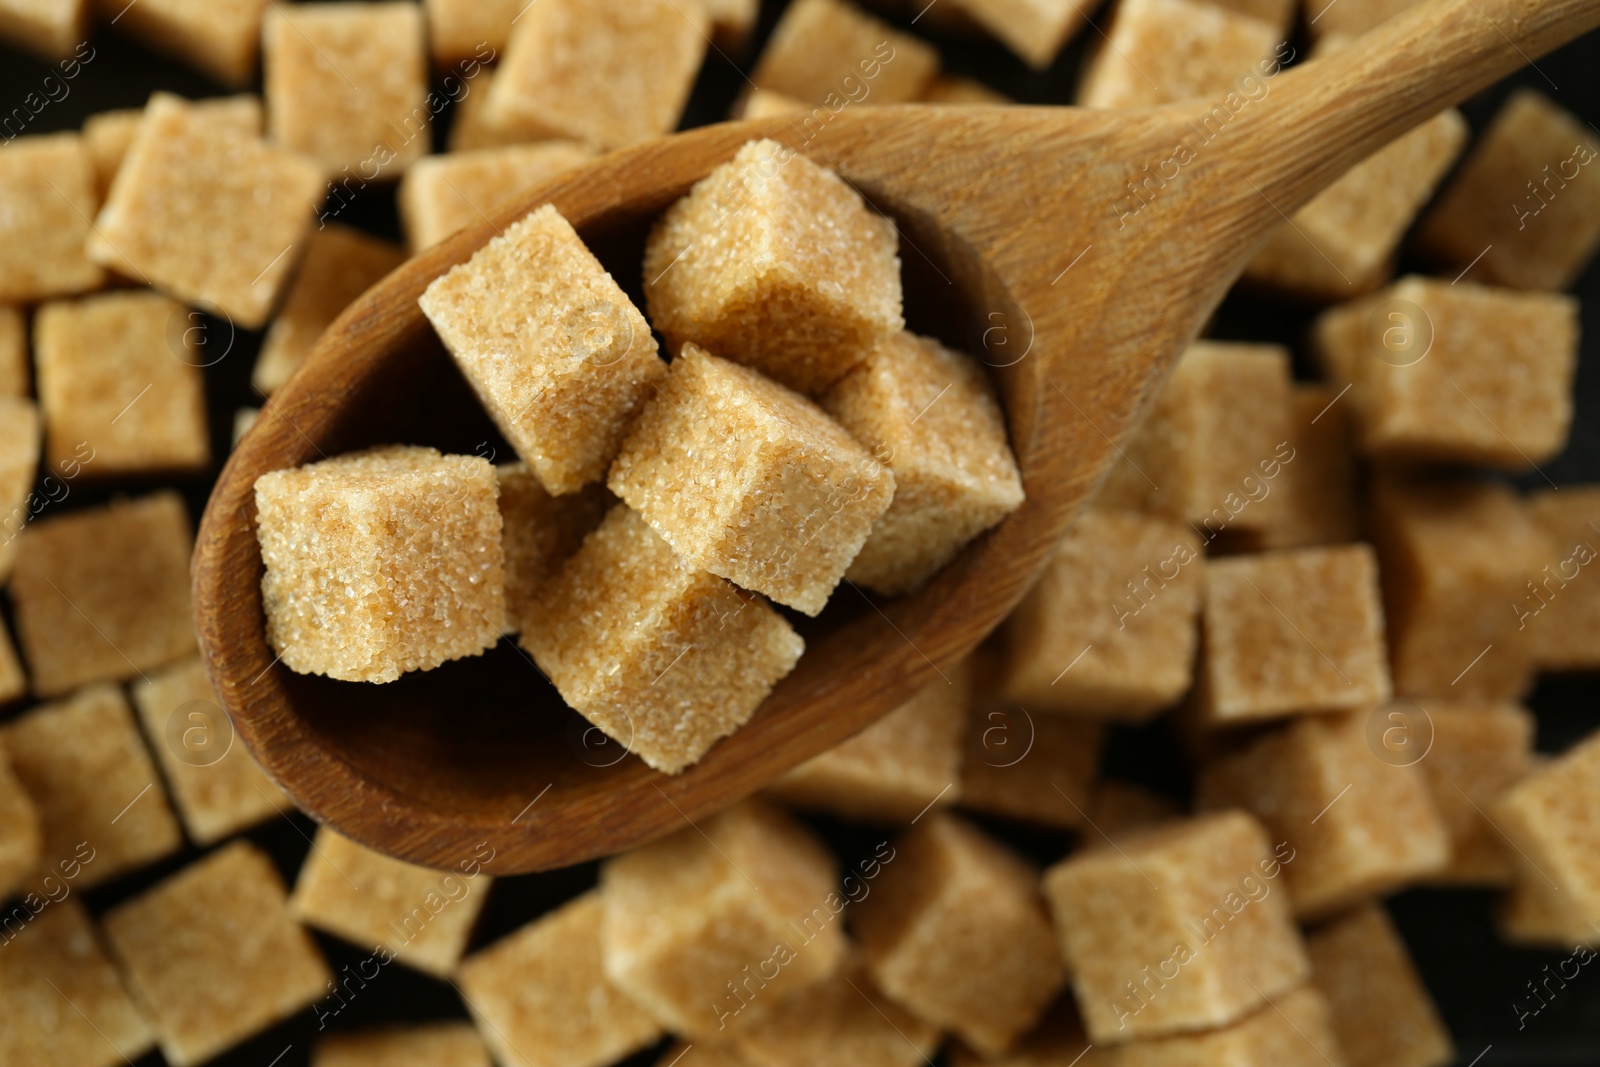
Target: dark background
1475	978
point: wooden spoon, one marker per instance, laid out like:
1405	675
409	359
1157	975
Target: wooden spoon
1083	250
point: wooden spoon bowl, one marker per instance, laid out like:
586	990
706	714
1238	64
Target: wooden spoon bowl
1063	247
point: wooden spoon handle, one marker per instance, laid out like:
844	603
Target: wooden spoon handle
1320	118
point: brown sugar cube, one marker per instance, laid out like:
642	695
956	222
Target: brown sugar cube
221	38
895	769
662	656
1330	18
207	213
110	134
57	957
103	593
951	89
339	265
243	419
1559	606
1456	557
443	194
1317	488
1194	898
1193	47
1549	818
932	415
214	956
55	29
763	103
462	30
1382	1012
697	924
216	786
1343	241
1111	628
1536	914
443	1044
352	591
956	930
1455	372
841	1019
1058	1041
825	51
1479	750
556	351
120	374
539	533
686	1054
47	184
1292	632
470	125
21	835
732	21
1357	823
98	794
610	73
19	464
1035	31
1523	211
1294	1030
13	352
1036	768
419	916
1117	809
750	481
822	293
1197	457
347	85
542	999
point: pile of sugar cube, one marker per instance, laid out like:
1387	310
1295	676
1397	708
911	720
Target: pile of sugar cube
1321	594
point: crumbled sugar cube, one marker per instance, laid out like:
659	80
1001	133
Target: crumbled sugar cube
207	213
21	834
1343	241
710	927
57	957
103	593
826	51
422	917
347	85
1332	18
120	374
339	265
1456	559
1292	632
776	263
1360	823
1479	749
13	352
1562	605
381	562
19	463
542	999
1382	1012
663	657
1523	210
539	533
1037	768
841	1019
732	21
1111	628
213	955
556	351
460	31
47	184
750	481
1162	51
1035	30
953	89
1195	457
1294	1030
84	764
55	29
763	103
221	38
1549	818
1481	376
895	769
1180	928
442	1044
1317	489
956	930
608	72
216	786
443	194
932	415
110	134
